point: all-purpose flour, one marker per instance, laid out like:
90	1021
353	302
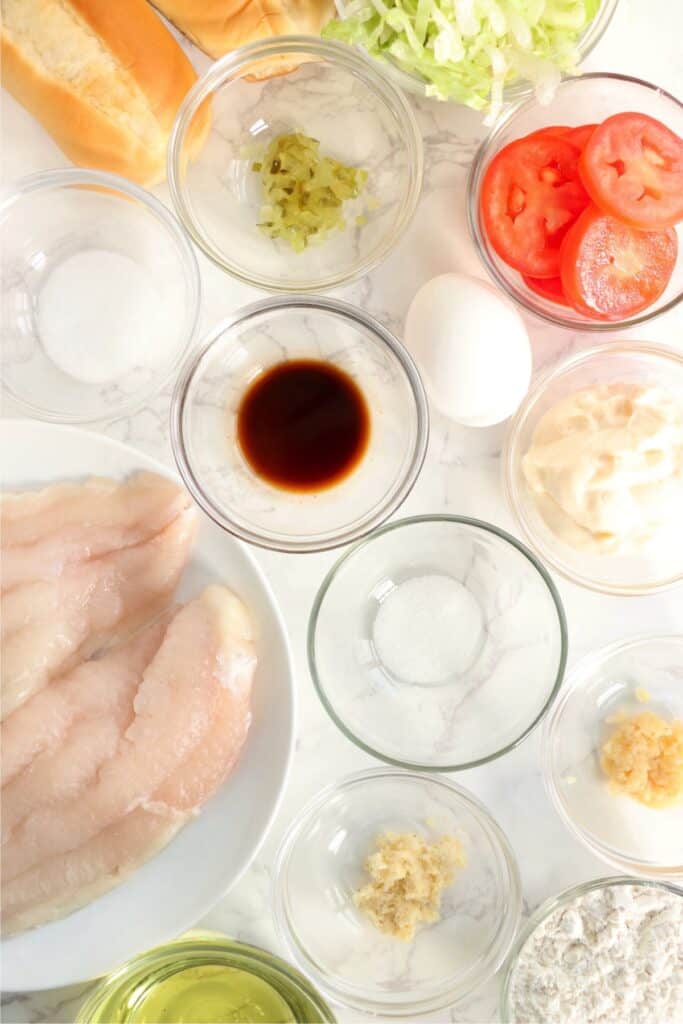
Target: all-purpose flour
611	956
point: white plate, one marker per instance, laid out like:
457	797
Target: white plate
177	887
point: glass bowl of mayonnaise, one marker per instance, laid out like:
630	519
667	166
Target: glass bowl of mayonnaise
593	468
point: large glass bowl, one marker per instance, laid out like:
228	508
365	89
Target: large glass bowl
415	84
204	419
587	99
656	567
419	637
551	906
320	865
48	220
120	997
627	678
329	92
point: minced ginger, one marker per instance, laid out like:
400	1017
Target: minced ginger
643	758
408	876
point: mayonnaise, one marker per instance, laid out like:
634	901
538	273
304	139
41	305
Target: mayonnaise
605	467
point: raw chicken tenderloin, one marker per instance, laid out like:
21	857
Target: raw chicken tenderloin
90	605
174	709
62	884
95	688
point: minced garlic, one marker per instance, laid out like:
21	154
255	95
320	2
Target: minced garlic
408	876
643	758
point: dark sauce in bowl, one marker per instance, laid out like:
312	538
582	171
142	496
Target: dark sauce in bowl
303	425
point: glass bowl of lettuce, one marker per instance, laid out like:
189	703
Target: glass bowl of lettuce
481	53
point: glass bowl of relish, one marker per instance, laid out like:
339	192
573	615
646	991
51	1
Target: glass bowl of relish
205	978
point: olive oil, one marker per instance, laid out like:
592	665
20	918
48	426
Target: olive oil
210	994
205	978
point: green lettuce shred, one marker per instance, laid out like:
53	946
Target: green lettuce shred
468	50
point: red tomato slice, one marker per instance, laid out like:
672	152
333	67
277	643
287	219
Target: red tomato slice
550	129
611	271
530	196
549	287
632	167
580	135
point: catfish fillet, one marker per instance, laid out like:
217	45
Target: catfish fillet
190	718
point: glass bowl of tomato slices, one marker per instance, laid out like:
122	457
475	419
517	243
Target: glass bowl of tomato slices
576	208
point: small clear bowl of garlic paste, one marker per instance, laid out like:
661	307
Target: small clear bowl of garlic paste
593	468
632	819
322	864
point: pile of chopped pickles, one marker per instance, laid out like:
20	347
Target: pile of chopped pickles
304	192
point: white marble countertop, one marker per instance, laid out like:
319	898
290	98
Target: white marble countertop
461	475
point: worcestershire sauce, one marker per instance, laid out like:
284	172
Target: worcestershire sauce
303	425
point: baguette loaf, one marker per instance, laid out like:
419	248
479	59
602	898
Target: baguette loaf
104	77
219	26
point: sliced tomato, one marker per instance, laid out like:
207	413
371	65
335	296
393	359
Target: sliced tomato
632	167
530	196
580	135
610	270
549	287
550	129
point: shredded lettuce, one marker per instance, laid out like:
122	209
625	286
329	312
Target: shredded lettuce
468	50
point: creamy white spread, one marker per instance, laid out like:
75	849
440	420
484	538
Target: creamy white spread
605	466
611	956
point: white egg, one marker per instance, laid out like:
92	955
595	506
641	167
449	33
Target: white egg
471	347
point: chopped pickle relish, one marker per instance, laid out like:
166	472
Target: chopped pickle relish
304	192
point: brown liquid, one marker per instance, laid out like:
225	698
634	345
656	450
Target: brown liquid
303	425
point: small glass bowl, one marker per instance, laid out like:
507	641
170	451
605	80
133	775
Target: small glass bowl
550	906
51	218
645	674
320	865
587	99
419	636
654	569
327	91
204	423
417	86
119	998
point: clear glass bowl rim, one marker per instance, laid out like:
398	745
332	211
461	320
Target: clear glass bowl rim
230	67
473	187
511	487
231	325
234	952
74	177
412	521
591	36
588	664
476	976
554	903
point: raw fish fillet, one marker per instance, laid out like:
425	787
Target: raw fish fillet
62	883
51	625
96	688
65	883
174	710
43	532
61	774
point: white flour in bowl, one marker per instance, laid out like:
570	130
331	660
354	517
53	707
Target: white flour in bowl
611	956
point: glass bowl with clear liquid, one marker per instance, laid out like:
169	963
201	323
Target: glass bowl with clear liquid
205	978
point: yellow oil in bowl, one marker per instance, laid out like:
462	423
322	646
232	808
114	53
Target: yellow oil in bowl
205	979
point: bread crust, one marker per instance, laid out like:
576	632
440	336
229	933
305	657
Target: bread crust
91	134
219	26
